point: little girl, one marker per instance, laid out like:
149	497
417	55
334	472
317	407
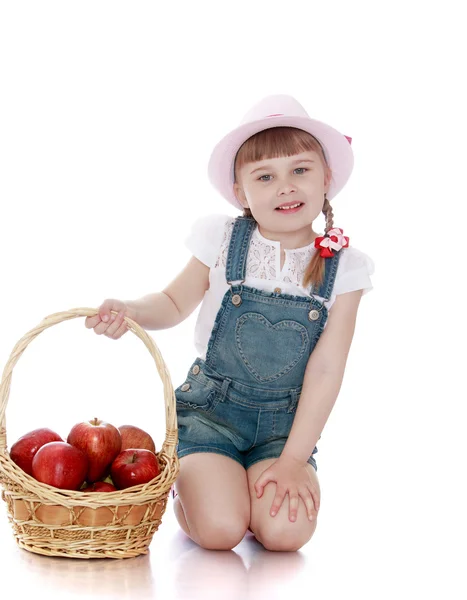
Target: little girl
279	306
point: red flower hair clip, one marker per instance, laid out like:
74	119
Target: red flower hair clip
332	240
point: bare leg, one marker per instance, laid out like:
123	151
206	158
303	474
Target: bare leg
213	503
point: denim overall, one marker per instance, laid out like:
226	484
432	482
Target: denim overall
241	401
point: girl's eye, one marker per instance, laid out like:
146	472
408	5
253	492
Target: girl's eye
297	169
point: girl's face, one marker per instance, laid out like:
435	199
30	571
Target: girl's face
265	185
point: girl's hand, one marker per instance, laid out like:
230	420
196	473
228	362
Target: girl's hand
110	324
293	478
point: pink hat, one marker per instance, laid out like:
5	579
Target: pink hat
279	111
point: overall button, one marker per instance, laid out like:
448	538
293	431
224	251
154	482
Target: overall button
277	290
313	315
236	299
195	370
185	387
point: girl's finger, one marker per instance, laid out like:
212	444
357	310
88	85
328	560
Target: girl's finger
315	495
91	322
262	481
277	502
293	506
101	328
308	500
115	324
120	331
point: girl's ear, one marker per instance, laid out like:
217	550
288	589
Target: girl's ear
238	191
327	179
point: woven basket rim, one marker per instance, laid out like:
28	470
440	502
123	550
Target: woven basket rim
47	494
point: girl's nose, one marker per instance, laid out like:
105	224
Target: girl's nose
286	187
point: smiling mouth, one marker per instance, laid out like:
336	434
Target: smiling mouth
291	207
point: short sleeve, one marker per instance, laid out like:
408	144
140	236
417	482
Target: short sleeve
206	236
354	272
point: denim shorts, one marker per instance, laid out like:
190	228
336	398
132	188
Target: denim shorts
217	414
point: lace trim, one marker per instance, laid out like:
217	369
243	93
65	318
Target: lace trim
262	261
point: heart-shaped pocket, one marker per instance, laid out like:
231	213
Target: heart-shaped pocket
269	351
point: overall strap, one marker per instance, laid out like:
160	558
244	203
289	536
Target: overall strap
238	249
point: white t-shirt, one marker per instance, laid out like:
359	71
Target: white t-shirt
209	241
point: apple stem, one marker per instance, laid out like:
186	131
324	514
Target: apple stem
134	457
96	421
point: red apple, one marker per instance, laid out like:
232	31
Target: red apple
133	467
100	441
23	450
134	437
61	465
100	486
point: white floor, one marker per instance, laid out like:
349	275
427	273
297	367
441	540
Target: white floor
383	561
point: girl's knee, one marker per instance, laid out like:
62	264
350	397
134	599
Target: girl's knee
285	539
212	535
219	534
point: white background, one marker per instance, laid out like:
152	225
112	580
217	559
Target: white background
108	114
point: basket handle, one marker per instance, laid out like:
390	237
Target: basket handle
171	434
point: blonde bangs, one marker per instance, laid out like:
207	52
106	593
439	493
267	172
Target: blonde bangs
275	142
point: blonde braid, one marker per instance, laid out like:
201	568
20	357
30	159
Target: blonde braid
329	215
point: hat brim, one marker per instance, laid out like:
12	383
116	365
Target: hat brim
337	151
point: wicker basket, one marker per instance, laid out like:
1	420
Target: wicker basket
55	522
